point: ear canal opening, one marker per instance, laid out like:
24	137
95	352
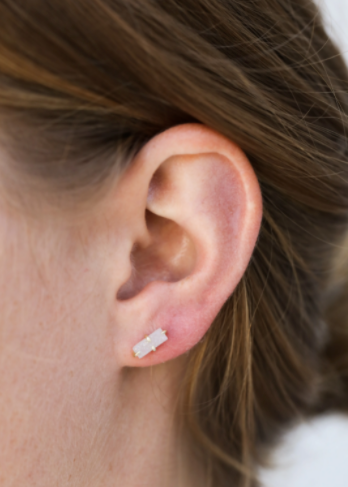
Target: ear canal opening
170	256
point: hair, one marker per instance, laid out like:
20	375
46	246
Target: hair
84	84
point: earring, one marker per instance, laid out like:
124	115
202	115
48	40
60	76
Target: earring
150	343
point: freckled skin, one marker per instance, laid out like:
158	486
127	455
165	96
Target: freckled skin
46	333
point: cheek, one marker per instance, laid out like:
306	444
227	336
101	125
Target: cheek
50	347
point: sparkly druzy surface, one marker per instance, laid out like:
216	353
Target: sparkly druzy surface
155	340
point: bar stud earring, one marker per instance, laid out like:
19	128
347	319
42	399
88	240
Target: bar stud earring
150	343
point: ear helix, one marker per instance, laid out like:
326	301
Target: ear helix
150	343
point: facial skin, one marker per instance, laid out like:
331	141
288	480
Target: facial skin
165	248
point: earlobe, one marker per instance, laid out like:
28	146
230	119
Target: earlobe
202	214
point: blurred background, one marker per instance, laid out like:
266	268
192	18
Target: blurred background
315	453
336	19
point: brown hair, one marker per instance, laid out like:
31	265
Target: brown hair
85	81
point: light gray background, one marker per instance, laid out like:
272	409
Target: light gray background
315	453
336	20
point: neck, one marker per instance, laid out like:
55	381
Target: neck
146	445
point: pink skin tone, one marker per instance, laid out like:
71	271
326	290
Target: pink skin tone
76	294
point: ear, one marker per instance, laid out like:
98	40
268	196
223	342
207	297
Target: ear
193	211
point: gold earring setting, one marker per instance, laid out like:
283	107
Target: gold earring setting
150	343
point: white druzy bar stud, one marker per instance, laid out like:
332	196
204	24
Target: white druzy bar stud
150	343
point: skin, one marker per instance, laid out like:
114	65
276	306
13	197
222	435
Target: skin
165	248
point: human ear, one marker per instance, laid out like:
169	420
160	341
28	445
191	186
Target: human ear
193	215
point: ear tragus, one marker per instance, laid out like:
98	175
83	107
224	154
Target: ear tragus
170	256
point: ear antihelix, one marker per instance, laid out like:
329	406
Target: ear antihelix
150	343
